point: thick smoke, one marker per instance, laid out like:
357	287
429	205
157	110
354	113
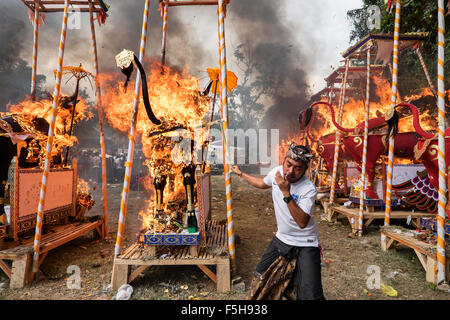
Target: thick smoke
264	30
122	30
15	73
192	40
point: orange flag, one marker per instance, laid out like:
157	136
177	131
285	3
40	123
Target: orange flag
214	76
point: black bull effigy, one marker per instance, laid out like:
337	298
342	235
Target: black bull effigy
420	146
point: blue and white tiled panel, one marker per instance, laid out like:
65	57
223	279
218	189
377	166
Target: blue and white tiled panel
376	202
172	239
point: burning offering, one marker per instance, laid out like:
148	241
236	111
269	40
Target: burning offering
171	129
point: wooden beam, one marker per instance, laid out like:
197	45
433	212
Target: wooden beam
83	5
21	272
119	275
194	3
208	272
406	243
5	268
223	276
422	259
368	222
136	273
62	10
387	243
42	257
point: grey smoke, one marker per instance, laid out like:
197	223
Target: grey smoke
192	40
263	28
15	73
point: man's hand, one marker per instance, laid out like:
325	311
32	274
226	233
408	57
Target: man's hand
284	185
236	170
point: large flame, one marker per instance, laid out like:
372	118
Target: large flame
175	100
28	109
354	113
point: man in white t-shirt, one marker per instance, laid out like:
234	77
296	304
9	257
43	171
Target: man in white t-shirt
293	198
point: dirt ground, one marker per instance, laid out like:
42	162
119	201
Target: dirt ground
344	265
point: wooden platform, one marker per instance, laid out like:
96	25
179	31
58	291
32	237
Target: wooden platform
16	261
142	256
426	252
325	202
352	214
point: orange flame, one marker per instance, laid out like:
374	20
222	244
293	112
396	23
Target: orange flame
28	109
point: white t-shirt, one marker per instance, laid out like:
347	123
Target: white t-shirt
304	194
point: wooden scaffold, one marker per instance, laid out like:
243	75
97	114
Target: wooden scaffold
20	272
218	236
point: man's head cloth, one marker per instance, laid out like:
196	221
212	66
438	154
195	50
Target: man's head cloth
299	153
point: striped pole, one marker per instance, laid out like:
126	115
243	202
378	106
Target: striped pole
362	192
131	137
226	141
441	254
338	134
40	210
331	96
390	169
35	50
101	121
425	70
164	32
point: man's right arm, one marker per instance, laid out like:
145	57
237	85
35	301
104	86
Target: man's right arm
254	181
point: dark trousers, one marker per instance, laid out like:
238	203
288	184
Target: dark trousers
307	274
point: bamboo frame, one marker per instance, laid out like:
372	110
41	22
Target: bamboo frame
89	6
58	5
175	3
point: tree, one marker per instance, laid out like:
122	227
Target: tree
245	100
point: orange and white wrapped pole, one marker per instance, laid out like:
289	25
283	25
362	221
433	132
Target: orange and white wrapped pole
101	121
338	134
40	210
164	31
35	50
390	168
441	254
362	192
132	138
226	141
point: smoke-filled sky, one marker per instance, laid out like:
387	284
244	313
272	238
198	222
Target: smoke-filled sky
297	41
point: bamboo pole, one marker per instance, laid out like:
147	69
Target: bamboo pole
362	192
40	211
338	134
390	169
425	71
226	140
101	122
131	137
35	49
164	32
441	254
